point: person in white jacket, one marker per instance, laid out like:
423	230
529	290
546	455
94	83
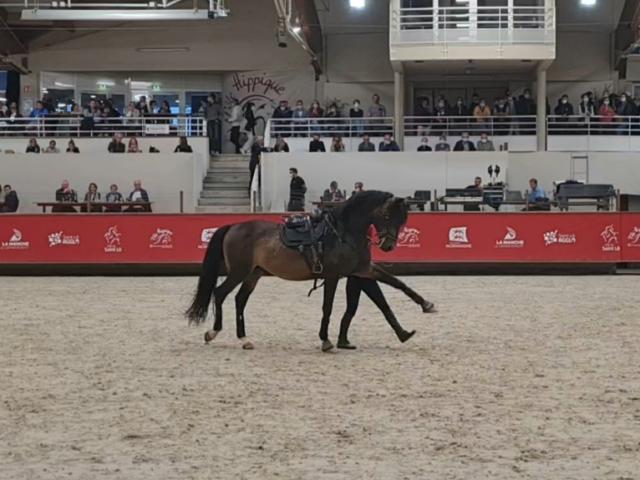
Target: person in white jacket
235	119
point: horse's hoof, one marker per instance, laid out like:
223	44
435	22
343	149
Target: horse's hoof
247	346
346	345
327	346
209	336
404	335
428	307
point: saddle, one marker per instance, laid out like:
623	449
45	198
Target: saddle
305	234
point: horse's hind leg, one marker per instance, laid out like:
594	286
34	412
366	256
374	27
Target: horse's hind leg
242	297
372	290
219	295
353	297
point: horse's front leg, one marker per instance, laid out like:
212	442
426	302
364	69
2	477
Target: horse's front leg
330	285
377	273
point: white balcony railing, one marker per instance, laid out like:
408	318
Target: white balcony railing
469	25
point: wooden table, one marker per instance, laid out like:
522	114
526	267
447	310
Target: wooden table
111	207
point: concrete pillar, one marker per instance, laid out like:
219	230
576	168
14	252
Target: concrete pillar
541	109
398	107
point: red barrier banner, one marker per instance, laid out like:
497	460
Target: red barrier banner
427	237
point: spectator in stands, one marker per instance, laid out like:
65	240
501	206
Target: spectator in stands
165	109
153	107
625	108
297	190
607	114
337	145
333	193
423	109
65	194
132	146
536	198
92	195
213	116
440	111
39	111
52	148
256	152
235	120
356	115
526	106
10	202
484	144
249	116
12	116
299	117
33	146
388	144
183	146
563	110
357	188
501	112
282	116
482	112
316	145
366	145
333	117
280	145
138	194
71	147
464	144
459	110
443	145
142	106
377	110
116	145
586	109
475	101
114	196
316	112
424	145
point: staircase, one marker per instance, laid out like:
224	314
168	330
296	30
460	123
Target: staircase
225	189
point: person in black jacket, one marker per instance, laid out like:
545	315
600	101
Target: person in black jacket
625	108
297	191
526	106
563	111
464	144
33	146
11	201
282	115
65	194
116	145
183	146
256	152
138	194
316	145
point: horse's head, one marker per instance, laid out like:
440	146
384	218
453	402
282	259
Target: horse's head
389	220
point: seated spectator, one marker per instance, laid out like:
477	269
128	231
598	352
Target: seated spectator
333	193
132	146
464	144
424	145
10	202
114	196
536	199
39	111
442	145
357	188
366	145
183	146
280	145
116	145
316	145
138	194
477	185
484	144
92	196
33	146
71	147
65	194
52	148
337	145
482	112
388	144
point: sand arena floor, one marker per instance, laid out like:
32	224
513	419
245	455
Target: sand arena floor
515	377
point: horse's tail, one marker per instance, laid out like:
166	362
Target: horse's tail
197	312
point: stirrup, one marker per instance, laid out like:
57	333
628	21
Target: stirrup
318	268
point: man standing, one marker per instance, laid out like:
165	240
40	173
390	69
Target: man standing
256	152
235	119
213	114
297	190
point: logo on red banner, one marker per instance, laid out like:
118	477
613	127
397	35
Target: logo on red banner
59	238
510	240
112	239
610	239
555	238
205	236
633	239
163	238
409	237
458	238
15	242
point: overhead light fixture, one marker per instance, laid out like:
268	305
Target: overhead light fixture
588	3
162	49
296	29
95	15
357	3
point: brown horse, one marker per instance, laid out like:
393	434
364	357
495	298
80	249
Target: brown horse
252	249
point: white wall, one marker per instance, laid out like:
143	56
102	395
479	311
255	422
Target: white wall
36	177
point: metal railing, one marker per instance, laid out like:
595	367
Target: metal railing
327	127
70	125
593	125
455	125
464	24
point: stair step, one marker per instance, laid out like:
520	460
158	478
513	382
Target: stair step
224	202
225	185
228	171
223	209
241	194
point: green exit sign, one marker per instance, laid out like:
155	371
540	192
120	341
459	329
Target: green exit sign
155	87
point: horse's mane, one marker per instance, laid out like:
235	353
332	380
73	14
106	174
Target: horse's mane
362	202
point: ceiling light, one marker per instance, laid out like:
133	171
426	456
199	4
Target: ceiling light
588	3
296	29
357	3
56	14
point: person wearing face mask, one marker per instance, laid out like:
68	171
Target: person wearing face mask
484	144
625	108
282	116
464	144
526	106
424	145
299	119
607	114
443	145
563	111
501	111
315	113
482	112
459	110
586	109
356	114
